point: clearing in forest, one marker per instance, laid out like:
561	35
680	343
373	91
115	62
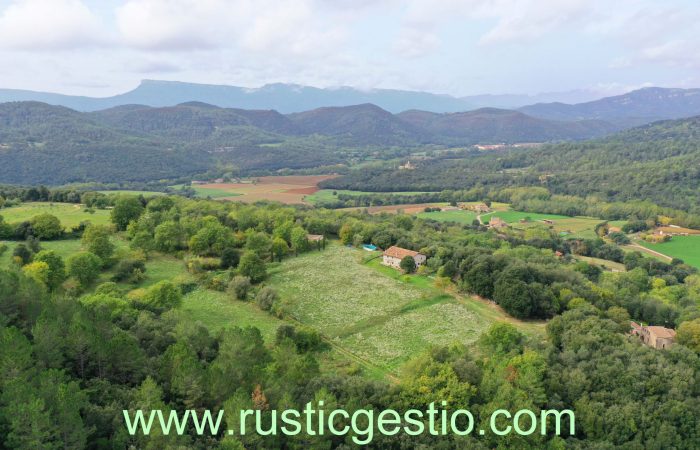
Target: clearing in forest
372	311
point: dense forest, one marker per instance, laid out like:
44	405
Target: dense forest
75	353
135	143
659	162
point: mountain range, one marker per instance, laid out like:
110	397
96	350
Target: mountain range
290	98
138	142
634	108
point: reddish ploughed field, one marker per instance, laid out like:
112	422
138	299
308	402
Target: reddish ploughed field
286	189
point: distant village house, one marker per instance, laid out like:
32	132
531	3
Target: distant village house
497	223
653	336
479	208
393	255
407	166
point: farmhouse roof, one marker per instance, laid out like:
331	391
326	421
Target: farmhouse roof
400	253
662	332
497	222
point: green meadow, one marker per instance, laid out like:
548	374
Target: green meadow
686	248
70	215
327	195
461	216
373	312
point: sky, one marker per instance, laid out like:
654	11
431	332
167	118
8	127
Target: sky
457	47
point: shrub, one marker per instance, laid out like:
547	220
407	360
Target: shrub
266	298
239	286
252	267
126	270
230	258
46	226
162	296
408	264
22	254
96	240
84	267
56	267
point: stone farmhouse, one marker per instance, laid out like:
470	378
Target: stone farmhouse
497	223
653	336
393	255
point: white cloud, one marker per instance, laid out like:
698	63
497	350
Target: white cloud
172	24
291	27
526	20
413	43
49	25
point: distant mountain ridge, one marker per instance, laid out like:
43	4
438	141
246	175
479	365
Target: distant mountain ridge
633	108
289	98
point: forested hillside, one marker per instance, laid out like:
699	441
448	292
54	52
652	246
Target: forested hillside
87	332
141	143
659	162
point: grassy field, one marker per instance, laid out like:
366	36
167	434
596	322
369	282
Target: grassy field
214	192
686	248
70	215
462	216
130	192
64	248
612	265
326	195
572	227
217	310
373	311
515	216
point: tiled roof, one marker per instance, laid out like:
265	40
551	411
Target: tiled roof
662	332
400	253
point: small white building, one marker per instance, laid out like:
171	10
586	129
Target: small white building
393	255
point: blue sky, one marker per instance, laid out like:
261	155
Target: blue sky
460	47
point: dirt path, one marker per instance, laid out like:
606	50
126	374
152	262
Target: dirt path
649	251
486	214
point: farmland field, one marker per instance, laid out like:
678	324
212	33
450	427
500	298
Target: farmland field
515	216
362	308
70	215
575	227
686	248
131	192
461	216
326	195
286	189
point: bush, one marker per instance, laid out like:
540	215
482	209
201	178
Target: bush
162	296
84	267
252	267
619	238
22	254
408	264
46	226
266	298
239	286
230	258
129	269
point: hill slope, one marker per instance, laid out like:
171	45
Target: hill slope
502	125
659	162
40	143
634	108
